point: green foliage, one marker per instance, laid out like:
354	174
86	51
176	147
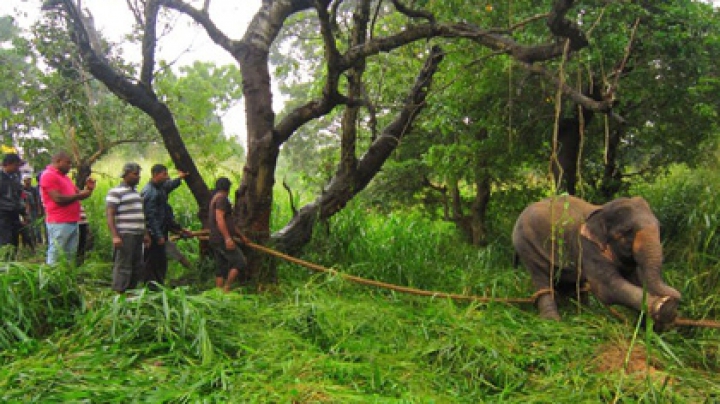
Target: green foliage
199	95
17	71
320	338
74	111
35	301
668	88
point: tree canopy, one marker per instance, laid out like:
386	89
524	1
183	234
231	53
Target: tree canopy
467	101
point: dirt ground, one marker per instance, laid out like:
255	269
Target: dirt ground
618	357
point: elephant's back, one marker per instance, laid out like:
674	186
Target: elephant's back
558	206
537	220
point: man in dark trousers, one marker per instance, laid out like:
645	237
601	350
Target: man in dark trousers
160	222
126	222
34	207
11	203
229	259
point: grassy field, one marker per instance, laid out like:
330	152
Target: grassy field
317	338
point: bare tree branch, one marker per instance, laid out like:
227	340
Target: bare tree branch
413	13
140	95
577	96
201	17
565	28
148	43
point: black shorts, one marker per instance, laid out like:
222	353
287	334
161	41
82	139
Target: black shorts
225	260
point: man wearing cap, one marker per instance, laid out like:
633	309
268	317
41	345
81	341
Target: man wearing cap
11	204
126	221
61	200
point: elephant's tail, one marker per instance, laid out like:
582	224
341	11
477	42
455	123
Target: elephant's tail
516	260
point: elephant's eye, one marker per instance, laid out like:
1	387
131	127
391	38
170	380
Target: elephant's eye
624	233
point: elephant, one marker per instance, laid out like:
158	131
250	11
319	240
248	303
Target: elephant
565	242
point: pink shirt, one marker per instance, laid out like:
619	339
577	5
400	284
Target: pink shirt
54	179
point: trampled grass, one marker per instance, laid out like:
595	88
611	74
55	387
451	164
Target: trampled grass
331	341
318	338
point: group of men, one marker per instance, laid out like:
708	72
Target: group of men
139	222
142	221
58	200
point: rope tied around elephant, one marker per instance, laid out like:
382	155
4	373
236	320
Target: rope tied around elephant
419	292
435	294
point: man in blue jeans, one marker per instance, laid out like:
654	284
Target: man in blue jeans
62	208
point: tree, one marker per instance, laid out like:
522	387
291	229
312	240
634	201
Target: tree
491	122
669	90
346	55
140	94
16	70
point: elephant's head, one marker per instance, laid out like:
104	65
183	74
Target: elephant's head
632	232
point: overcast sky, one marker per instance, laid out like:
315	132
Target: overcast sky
185	44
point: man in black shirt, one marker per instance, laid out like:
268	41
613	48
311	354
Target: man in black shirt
160	221
11	203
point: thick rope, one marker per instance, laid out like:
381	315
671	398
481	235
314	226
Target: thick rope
686	322
403	289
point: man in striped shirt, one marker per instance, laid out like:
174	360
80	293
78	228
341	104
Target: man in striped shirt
126	221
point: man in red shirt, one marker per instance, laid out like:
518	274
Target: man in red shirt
61	199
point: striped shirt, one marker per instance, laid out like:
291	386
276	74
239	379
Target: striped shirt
83	215
128	205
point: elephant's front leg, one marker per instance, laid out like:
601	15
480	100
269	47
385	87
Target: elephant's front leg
547	307
612	288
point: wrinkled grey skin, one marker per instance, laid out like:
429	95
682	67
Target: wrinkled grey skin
617	254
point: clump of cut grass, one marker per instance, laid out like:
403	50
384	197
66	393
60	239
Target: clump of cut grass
328	340
35	301
169	320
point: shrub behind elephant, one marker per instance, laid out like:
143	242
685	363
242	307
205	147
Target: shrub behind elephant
565	242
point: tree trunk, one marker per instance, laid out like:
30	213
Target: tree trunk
342	187
479	211
84	170
611	182
570	133
254	197
568	148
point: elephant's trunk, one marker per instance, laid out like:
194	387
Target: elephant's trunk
647	251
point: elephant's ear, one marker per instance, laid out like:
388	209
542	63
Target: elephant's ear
595	225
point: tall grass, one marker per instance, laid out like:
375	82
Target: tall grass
321	339
35	300
410	250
